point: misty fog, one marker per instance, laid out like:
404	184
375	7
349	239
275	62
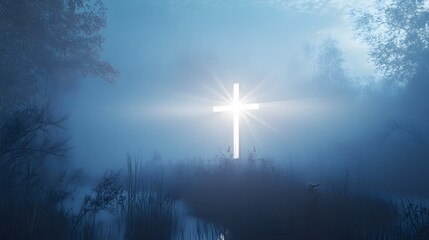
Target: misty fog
174	65
342	88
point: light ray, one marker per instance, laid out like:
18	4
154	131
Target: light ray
254	89
250	128
261	121
222	87
218	94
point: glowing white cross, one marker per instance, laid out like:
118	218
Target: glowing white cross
236	107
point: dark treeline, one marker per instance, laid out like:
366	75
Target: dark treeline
46	48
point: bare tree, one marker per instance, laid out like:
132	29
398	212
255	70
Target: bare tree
30	135
27	137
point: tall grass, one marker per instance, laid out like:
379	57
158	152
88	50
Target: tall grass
107	195
149	212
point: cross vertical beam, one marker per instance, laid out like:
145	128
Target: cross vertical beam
236	108
236	129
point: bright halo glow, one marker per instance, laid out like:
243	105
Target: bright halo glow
236	107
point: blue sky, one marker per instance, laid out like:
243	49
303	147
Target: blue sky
175	56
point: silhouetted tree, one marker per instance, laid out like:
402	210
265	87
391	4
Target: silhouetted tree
328	66
330	62
49	44
29	136
397	33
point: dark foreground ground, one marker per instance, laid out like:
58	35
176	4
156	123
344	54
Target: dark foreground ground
201	199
